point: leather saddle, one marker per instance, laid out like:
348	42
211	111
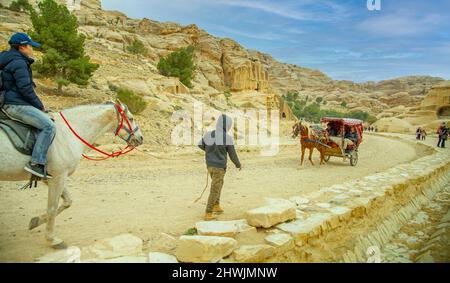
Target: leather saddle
22	136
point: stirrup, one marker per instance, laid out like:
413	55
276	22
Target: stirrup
33	181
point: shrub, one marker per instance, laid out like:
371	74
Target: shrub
313	112
227	95
137	47
135	103
191	232
179	64
20	6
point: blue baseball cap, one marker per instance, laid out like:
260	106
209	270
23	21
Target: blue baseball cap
21	38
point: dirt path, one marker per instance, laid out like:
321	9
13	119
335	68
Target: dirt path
146	196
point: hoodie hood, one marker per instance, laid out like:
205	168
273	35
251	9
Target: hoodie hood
7	56
224	123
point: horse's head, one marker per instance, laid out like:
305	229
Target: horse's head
299	128
127	129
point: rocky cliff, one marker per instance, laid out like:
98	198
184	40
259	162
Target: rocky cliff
222	65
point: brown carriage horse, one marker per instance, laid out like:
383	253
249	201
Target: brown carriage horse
309	140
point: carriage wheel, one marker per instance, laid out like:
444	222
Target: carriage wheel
327	158
354	158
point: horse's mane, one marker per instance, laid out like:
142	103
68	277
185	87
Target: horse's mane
308	129
84	105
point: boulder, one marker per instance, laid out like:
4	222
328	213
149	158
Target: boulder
253	253
156	257
204	248
122	259
279	240
122	245
299	200
222	228
302	229
271	215
69	255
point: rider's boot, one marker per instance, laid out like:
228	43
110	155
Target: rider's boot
38	170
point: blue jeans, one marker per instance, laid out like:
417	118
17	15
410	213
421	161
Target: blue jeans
34	117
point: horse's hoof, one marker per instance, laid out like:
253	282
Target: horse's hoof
60	246
34	222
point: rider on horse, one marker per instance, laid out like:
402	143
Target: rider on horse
22	103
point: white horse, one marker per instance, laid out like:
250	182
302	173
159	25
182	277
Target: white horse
89	122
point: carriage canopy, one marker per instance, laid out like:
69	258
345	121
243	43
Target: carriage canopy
358	124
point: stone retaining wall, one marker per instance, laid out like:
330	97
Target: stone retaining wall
341	223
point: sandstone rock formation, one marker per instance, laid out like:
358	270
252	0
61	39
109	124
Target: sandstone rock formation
223	65
393	125
438	100
433	109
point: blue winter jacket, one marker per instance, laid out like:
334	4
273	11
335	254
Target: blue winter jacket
18	79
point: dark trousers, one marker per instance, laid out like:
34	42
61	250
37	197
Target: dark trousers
441	142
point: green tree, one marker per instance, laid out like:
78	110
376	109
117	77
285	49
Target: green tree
20	6
319	99
371	119
137	47
312	112
135	102
179	64
64	60
344	104
361	115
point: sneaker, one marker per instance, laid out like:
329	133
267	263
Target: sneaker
37	170
209	216
217	209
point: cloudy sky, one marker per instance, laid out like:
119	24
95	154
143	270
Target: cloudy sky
339	37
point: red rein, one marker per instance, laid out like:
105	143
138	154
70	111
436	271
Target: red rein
126	150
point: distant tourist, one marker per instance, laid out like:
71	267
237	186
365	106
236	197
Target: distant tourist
419	133
442	134
423	134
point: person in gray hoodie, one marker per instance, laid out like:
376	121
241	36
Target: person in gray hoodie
218	145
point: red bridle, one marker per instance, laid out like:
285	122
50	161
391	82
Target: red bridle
120	115
299	129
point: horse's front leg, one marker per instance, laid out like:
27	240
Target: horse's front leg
55	189
39	220
303	155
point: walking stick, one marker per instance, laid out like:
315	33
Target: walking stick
204	189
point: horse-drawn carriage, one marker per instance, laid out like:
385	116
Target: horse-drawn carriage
338	145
